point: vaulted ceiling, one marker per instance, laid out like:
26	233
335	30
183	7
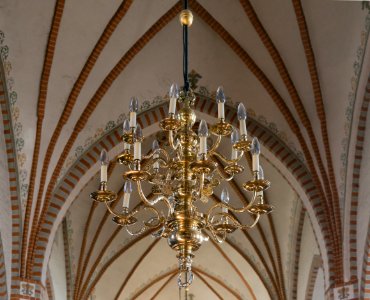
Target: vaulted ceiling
68	71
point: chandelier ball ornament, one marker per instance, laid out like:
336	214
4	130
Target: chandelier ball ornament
183	173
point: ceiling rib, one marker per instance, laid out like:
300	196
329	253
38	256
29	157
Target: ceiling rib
285	76
237	271
108	81
320	109
164	285
85	233
133	269
234	45
217	280
208	285
103	40
48	61
245	201
260	256
152	282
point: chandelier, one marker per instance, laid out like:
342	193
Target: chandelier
183	173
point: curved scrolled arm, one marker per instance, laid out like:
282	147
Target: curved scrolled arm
215	145
226	178
230	208
171	141
228	161
159	221
111	211
152	202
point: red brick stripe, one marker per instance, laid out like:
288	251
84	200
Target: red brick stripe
90	63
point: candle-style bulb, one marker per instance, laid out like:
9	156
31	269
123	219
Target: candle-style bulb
138	133
234	136
261	174
134	105
126	125
203	129
127	188
220	95
225	198
155	145
174	91
104	159
242	113
256	148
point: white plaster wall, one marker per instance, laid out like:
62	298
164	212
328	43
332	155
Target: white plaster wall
57	267
308	250
319	289
5	211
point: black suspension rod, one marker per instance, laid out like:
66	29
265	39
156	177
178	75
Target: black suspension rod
185	51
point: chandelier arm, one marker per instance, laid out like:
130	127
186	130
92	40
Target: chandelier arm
215	145
171	141
146	224
216	235
111	211
142	229
152	202
229	178
165	154
228	161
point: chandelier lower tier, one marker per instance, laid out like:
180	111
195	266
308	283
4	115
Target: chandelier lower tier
183	174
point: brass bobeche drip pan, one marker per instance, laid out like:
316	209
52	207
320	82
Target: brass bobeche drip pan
128	137
225	227
222	128
243	145
256	185
261	209
136	175
170	124
125	158
103	195
233	169
203	166
124	220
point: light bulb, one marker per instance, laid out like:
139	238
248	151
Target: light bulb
242	113
261	174
134	104
138	133
104	159
174	91
203	129
225	198
256	148
234	136
155	145
127	188
220	95
126	126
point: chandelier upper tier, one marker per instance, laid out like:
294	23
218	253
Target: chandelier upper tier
183	173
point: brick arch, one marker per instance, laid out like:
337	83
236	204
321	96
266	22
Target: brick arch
365	280
204	104
355	189
14	189
316	264
3	283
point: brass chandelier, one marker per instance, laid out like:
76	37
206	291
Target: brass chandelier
183	173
